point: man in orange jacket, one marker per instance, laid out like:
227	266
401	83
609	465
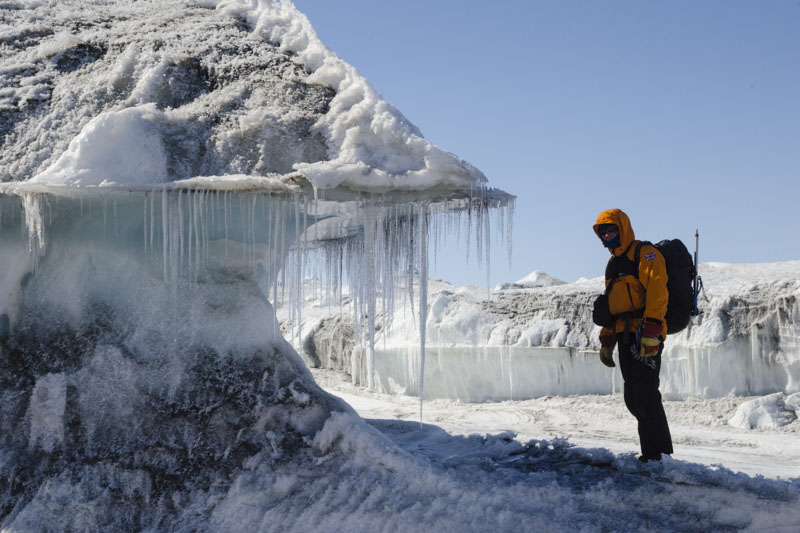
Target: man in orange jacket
637	301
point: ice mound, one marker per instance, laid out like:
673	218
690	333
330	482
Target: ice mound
232	87
771	411
162	162
113	148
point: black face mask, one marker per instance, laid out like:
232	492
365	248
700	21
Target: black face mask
613	243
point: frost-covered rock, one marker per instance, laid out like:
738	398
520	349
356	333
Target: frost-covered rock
770	411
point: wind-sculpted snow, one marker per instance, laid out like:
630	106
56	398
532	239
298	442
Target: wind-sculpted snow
528	342
133	93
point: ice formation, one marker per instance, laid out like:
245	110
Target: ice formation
171	173
770	411
535	340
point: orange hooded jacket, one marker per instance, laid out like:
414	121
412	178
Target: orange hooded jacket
649	292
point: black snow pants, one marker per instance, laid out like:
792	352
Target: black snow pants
642	397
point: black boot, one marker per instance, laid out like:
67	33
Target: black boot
648	458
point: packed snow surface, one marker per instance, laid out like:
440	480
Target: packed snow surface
578	432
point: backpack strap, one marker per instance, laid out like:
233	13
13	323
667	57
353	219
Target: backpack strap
636	313
624	256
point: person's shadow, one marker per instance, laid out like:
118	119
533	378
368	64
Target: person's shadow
541	462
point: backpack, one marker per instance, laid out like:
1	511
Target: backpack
680	278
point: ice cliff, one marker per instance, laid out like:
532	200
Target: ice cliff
169	171
535	337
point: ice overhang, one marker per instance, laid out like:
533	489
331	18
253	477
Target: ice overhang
233	95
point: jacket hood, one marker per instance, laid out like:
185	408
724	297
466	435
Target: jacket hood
618	217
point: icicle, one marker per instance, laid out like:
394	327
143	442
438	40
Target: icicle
144	224
467	237
297	274
252	236
196	224
368	257
245	234
410	266
165	233
423	299
282	251
152	220
105	213
214	199
181	230
175	246
34	225
487	246
268	213
509	227
116	226
274	257
225	207
206	226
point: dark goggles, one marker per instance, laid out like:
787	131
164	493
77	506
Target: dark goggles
604	229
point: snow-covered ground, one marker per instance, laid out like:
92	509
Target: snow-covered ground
741	411
724	440
700	427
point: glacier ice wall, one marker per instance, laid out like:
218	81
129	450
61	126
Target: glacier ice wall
533	339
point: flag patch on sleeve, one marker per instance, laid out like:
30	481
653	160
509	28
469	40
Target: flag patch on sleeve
650	256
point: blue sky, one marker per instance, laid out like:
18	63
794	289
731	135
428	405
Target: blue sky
685	114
